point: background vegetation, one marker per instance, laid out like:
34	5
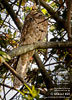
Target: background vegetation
51	67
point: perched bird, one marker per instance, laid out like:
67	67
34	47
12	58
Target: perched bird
34	29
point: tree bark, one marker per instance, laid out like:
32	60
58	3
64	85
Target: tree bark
39	45
46	77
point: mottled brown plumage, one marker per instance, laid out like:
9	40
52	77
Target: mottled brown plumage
34	29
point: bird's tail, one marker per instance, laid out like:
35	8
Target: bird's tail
22	66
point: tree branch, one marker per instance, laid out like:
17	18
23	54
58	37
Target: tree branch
39	45
42	69
49	9
8	86
53	13
69	15
14	72
25	49
12	13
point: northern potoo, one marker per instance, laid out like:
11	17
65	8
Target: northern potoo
34	29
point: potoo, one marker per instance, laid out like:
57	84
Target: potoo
34	29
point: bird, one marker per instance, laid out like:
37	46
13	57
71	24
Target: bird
34	29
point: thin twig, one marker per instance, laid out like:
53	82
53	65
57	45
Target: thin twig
19	6
8	86
54	63
17	93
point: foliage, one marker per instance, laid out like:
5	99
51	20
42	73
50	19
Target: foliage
57	62
29	94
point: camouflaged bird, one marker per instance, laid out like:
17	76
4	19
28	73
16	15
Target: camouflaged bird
34	29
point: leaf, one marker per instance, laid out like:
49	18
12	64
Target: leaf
2	43
1	60
23	2
53	5
14	34
52	28
28	8
22	94
9	31
28	88
33	92
44	11
4	55
49	0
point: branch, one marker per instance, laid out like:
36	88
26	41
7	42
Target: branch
8	86
45	75
12	13
14	72
69	18
39	45
49	9
53	13
16	93
17	22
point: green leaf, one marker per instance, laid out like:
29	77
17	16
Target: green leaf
52	28
33	92
4	55
44	11
49	0
22	93
9	31
14	34
28	88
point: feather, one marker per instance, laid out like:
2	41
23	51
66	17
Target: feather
34	29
